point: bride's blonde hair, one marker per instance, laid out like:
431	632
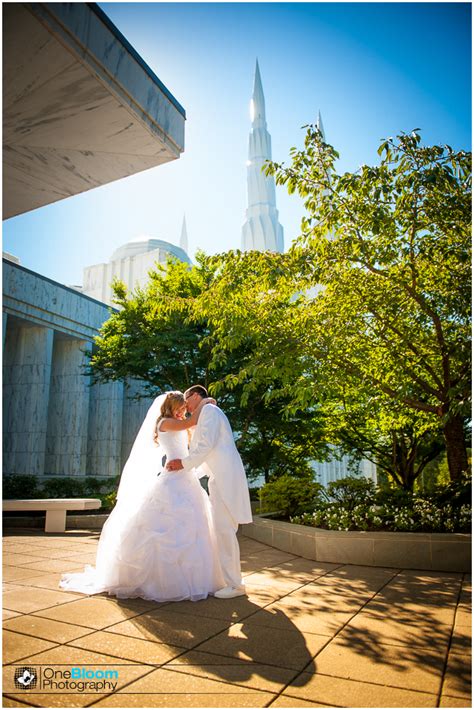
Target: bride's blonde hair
173	401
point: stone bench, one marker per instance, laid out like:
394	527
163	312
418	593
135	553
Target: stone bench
55	509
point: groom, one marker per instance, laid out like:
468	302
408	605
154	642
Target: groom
213	447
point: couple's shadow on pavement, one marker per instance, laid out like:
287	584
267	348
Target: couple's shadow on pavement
232	640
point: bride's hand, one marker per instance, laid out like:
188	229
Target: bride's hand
206	400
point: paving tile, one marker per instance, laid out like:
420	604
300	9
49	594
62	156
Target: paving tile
447	580
340	582
48	580
16	559
52	553
286	614
461	642
169	681
305	570
86	557
229	670
9	587
269	559
29	600
170	627
46	629
263	595
434	596
410	612
450	702
14	546
348	571
463	618
285	701
333	690
228	609
13	574
286	648
186	700
319	598
457	678
13	703
16	646
45	565
465	600
411	668
387	630
92	612
272	582
57	700
127	648
7	614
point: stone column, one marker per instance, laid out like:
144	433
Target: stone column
134	412
27	372
68	414
5	323
105	429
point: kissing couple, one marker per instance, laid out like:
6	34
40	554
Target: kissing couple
167	539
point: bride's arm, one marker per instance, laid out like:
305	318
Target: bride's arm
182	424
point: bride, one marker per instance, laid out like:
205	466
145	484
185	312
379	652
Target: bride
159	542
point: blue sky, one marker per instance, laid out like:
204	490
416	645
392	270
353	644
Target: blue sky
372	69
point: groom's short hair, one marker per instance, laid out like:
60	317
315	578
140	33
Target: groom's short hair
201	391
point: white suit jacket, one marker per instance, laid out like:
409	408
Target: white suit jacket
213	444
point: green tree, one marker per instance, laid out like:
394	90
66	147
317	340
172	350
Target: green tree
373	299
159	338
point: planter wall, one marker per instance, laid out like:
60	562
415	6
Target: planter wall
447	552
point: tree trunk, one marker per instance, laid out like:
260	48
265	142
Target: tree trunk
456	450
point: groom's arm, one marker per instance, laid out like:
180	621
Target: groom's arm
204	439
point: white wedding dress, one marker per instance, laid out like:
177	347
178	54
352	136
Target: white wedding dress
160	544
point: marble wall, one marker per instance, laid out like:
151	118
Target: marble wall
27	374
55	423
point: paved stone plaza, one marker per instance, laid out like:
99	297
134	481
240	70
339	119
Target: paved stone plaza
309	634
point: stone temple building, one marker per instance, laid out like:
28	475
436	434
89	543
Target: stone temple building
131	264
81	109
261	230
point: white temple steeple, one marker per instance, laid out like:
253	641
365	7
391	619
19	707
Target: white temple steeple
183	241
320	126
261	229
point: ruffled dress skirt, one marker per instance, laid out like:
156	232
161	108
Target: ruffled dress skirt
165	551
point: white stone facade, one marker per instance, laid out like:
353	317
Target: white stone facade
335	469
131	264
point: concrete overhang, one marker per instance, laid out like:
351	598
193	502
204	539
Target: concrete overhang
80	106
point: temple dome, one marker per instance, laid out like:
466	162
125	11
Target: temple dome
144	244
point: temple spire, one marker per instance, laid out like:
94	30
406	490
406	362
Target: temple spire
257	104
262	230
183	241
320	126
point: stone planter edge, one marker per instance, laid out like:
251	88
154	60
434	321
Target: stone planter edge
446	552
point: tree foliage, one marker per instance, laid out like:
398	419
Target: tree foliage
160	338
367	317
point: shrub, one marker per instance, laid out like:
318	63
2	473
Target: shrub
20	486
290	495
395	510
109	500
350	492
63	487
28	486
